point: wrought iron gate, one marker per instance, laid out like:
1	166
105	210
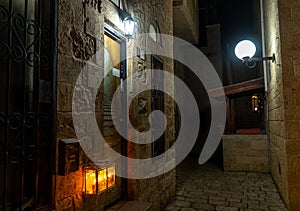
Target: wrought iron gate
27	45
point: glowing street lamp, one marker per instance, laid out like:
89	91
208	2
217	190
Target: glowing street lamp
129	23
245	51
129	26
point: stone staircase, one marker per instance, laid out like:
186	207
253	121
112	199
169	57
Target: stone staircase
108	124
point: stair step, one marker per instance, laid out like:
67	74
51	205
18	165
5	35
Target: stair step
131	206
109	133
108	124
109	114
108	117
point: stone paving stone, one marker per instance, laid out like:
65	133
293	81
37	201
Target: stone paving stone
207	187
227	208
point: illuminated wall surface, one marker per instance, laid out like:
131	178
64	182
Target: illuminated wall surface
80	34
282	32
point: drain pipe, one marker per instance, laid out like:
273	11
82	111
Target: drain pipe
263	44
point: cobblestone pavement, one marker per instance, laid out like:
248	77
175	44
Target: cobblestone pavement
209	188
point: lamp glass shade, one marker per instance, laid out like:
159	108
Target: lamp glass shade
245	49
90	181
102	180
111	171
129	25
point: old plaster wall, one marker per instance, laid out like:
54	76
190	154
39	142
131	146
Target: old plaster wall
282	38
80	35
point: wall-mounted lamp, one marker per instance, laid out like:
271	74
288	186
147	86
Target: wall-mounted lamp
129	23
98	179
245	51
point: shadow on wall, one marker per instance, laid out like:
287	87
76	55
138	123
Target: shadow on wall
200	94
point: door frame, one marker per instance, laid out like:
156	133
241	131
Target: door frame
118	37
158	146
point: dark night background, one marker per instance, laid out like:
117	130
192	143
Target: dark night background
239	20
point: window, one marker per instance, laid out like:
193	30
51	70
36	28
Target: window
154	33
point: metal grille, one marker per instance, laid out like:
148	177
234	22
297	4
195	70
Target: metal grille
26	103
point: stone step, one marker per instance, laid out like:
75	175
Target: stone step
108	113
131	206
109	132
107	107
109	124
108	117
113	141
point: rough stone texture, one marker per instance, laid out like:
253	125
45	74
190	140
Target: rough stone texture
80	35
209	188
158	190
282	38
245	153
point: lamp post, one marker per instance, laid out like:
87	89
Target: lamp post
245	51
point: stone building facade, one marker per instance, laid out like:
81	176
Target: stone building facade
282	38
82	29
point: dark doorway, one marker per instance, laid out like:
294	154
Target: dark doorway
27	108
158	146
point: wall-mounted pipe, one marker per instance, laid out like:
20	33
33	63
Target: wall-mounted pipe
263	43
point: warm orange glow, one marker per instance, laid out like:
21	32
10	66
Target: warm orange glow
102	180
98	180
254	103
111	176
90	182
114	49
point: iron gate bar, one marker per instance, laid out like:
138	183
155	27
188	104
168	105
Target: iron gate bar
26	133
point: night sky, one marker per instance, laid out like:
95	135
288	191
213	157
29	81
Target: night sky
236	20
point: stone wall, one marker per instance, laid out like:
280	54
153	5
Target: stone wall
282	38
80	35
245	153
158	190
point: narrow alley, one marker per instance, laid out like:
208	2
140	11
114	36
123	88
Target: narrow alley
209	188
100	100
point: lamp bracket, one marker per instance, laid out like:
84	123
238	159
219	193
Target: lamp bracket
123	14
251	62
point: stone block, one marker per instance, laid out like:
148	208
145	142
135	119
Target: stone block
245	153
293	147
64	97
64	125
292	130
68	69
294	202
